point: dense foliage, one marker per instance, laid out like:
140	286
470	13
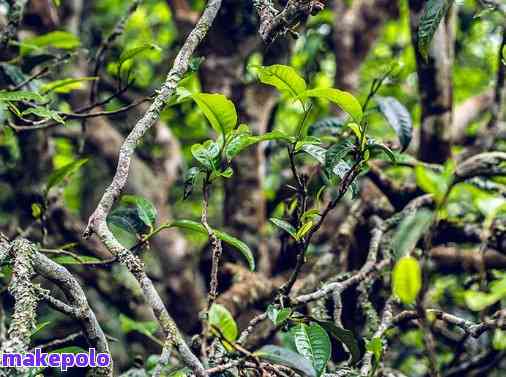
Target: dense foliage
243	188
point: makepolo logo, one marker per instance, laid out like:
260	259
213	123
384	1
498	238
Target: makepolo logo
38	359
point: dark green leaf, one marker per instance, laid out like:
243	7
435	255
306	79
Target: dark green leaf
190	179
232	241
409	232
434	12
287	227
313	342
145	209
399	119
344	336
375	147
128	219
330	125
286	357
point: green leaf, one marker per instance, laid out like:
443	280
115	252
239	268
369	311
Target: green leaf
59	175
56	39
128	219
207	154
129	325
39	327
288	358
337	153
286	226
315	151
399	119
375	147
432	15
303	230
346	101
232	241
220	317
375	345
278	316
66	85
407	279
133	52
190	178
21	95
478	301
219	111
283	78
330	125
409	232
80	260
313	342
45	113
145	209
344	336
431	182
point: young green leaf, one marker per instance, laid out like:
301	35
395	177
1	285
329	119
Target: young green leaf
66	85
432	182
278	316
45	113
21	95
284	78
80	260
59	175
286	226
407	279
128	325
232	241
207	154
313	342
220	317
288	358
219	111
56	39
346	101
133	52
145	209
399	119
375	345
190	178
434	12
344	336
409	232
303	230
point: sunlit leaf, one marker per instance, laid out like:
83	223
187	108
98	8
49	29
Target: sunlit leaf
45	113
57	39
284	78
133	52
219	111
220	317
66	85
21	95
59	175
346	101
407	279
